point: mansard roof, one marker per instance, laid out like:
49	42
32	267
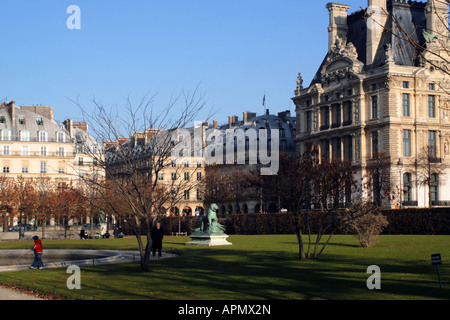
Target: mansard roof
31	122
410	16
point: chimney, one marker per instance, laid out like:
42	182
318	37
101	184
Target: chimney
40	109
232	120
376	21
248	115
215	124
68	124
11	109
81	125
284	115
338	22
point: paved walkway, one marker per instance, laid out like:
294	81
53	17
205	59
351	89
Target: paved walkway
11	294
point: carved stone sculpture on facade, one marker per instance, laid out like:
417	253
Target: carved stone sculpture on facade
299	84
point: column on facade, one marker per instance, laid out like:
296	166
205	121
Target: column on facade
330	148
318	122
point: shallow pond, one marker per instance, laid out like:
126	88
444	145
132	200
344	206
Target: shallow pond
25	257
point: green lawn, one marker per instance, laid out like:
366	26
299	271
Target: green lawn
253	268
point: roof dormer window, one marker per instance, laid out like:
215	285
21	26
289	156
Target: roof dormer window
60	136
42	136
24	135
6	135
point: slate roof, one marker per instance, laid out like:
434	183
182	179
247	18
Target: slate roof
411	17
31	122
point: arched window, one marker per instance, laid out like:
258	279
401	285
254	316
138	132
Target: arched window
407	186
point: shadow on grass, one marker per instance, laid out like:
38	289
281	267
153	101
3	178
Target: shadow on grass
251	269
233	275
349	245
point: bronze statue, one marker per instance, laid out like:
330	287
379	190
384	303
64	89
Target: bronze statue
209	223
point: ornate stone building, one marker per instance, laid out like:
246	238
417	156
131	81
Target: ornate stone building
378	102
181	176
33	145
233	186
192	176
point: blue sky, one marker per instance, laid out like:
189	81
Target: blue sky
234	50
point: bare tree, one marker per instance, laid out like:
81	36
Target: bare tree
366	221
314	190
378	182
431	43
141	143
430	171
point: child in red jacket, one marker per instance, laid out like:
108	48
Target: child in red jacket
37	248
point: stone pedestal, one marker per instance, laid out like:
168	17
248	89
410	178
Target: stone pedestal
208	240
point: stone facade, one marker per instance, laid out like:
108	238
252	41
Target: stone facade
193	174
183	176
374	97
34	145
234	194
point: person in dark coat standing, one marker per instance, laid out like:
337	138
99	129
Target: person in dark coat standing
157	237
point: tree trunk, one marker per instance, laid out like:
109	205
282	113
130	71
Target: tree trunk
91	220
145	265
324	245
430	202
308	253
301	251
5	227
144	251
298	232
43	229
316	244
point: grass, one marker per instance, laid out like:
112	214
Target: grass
254	268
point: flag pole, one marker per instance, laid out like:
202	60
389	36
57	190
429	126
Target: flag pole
264	103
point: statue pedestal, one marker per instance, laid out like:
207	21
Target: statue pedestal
208	240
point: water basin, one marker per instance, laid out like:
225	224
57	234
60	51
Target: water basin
55	258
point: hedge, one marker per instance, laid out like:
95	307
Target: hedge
434	221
